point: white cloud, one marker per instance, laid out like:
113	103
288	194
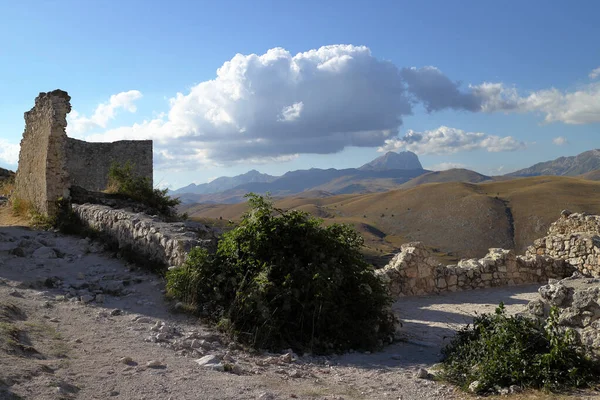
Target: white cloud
291	113
445	140
577	107
274	106
9	152
595	73
445	166
560	141
78	124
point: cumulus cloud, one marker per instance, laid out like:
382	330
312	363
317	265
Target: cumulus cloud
78	124
428	85
445	166
436	91
275	106
577	107
9	152
560	141
445	140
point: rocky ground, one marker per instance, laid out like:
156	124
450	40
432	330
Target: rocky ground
76	322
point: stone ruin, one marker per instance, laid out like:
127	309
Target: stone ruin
567	261
572	244
50	163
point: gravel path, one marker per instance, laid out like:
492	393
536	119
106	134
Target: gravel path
124	342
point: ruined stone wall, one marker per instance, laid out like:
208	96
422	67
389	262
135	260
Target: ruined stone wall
88	163
414	271
578	301
149	238
50	162
42	177
574	238
572	244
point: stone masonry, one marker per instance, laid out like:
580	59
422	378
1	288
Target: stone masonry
149	238
414	271
50	162
577	299
572	245
42	175
574	238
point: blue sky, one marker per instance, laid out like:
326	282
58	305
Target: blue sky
491	86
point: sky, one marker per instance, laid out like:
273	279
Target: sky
223	87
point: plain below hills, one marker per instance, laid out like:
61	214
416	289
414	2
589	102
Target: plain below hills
457	219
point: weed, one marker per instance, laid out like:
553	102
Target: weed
500	351
121	180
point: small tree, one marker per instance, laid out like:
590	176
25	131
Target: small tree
280	279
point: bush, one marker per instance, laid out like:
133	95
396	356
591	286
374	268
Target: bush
281	280
122	181
500	351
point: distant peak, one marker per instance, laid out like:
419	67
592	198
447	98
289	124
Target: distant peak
394	160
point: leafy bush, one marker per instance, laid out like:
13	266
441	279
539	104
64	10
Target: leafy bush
280	279
122	181
500	351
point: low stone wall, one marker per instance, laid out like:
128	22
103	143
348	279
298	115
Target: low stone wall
578	301
414	271
148	237
574	238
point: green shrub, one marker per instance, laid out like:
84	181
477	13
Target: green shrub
500	351
122	181
280	279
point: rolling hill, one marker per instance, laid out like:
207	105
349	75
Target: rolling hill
592	175
451	175
458	219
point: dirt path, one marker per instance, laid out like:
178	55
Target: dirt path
76	322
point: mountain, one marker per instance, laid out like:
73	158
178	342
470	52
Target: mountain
383	173
225	183
459	219
392	160
451	175
335	181
564	166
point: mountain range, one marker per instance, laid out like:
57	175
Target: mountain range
389	171
383	173
564	166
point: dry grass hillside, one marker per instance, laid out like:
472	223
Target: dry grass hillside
593	175
451	175
456	219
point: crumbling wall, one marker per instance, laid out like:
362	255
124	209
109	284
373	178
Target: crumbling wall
578	301
149	238
574	238
50	162
414	271
42	177
88	163
572	244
